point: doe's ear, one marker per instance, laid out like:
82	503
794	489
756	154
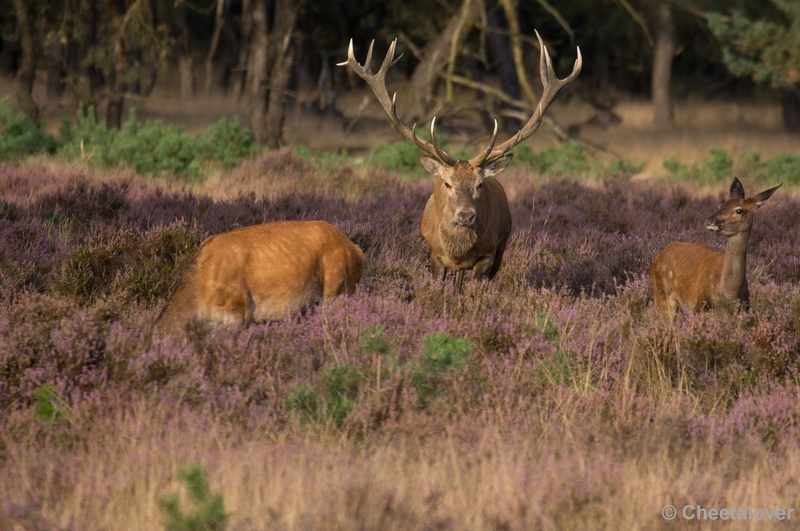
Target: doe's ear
766	194
431	165
495	166
737	190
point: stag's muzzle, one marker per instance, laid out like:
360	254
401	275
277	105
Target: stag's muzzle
466	218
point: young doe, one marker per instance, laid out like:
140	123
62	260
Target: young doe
467	220
693	273
259	273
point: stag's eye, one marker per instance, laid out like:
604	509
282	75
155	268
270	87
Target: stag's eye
447	185
480	185
739	210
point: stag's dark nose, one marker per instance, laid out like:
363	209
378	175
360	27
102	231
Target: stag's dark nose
466	218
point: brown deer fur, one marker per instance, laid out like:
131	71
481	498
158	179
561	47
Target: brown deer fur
692	273
467	220
259	273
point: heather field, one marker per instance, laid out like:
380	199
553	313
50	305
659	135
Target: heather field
554	397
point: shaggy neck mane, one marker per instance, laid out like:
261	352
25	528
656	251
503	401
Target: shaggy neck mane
457	239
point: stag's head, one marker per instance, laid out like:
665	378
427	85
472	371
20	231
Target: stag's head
462	181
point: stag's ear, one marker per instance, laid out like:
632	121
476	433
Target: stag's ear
432	165
766	194
495	166
737	190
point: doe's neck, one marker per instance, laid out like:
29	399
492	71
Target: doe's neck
734	266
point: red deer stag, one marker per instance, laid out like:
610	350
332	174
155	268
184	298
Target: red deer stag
259	273
466	221
693	273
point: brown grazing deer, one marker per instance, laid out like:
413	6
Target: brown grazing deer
259	273
466	221
693	273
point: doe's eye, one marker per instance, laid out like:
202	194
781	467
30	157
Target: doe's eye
480	185
739	210
447	185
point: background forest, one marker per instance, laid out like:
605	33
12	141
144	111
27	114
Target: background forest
269	52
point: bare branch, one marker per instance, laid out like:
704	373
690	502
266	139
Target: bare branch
463	19
638	18
559	18
516	49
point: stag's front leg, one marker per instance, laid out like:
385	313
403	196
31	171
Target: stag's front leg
438	270
482	270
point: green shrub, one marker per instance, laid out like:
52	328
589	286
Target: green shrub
341	386
556	369
568	158
321	159
546	326
45	403
441	354
19	137
374	341
152	148
338	389
149	148
720	167
302	400
675	168
403	157
225	143
624	167
208	512
784	167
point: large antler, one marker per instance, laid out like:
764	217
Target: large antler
377	81
553	88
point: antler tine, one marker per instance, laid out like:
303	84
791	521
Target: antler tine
387	61
368	62
553	88
446	158
377	82
480	159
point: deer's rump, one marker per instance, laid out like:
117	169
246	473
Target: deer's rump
259	273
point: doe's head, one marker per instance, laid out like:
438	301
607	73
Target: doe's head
735	215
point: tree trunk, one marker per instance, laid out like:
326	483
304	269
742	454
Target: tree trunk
119	65
500	51
86	80
257	71
241	84
114	113
55	70
219	23
281	71
663	107
436	55
791	109
26	74
185	59
186	75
